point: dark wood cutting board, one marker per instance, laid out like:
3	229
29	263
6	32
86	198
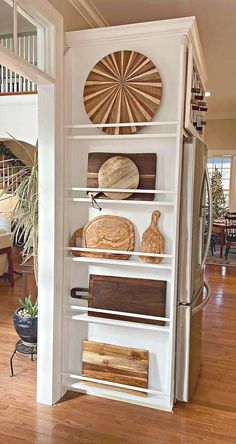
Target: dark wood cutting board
116	364
142	296
145	162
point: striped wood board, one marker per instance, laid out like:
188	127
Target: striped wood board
123	87
117	364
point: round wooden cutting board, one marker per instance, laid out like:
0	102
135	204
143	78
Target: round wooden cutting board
123	87
118	172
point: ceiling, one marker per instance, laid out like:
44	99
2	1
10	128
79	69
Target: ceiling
216	23
72	19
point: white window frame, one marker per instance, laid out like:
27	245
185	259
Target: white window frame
221	156
51	189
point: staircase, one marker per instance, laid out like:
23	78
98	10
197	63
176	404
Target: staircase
10	82
12	170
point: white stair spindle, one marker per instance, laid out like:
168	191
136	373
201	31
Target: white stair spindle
10	72
29	38
1	74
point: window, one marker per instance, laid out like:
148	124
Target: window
222	164
21	33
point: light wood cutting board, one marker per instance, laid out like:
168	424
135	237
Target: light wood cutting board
117	364
146	164
106	233
152	241
118	172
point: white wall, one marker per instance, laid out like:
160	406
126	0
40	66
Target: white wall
19	117
221	135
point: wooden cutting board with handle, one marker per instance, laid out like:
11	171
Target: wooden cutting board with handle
117	364
152	240
106	233
130	295
144	162
143	296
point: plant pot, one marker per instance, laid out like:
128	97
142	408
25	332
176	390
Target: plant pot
26	328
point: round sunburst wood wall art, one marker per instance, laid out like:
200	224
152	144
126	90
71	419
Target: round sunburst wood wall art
124	86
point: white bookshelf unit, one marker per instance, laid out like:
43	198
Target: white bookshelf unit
166	43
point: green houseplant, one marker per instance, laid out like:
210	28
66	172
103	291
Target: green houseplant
25	214
26	321
25	223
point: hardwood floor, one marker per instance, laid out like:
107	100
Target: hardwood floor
209	419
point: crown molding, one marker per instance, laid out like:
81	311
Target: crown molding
100	36
222	116
90	13
194	39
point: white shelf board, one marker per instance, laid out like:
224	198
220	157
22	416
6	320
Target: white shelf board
132	253
123	202
120	125
126	263
119	313
160	401
120	190
115	384
121	136
117	323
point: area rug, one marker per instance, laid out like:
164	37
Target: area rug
215	259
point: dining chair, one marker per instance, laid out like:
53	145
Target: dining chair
230	231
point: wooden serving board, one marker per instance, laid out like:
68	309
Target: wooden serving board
143	296
117	364
145	162
152	241
124	86
106	233
118	172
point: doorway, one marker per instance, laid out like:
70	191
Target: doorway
47	74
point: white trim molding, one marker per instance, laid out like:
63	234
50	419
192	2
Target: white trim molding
90	13
172	27
51	186
194	38
180	26
17	64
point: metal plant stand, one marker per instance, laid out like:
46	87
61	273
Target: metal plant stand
23	349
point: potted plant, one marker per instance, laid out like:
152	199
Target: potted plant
25	214
25	222
26	321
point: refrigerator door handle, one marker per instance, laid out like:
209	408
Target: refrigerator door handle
208	184
205	302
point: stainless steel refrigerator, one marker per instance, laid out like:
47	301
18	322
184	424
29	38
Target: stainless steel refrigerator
194	241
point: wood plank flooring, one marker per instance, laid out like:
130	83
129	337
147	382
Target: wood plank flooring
209	419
